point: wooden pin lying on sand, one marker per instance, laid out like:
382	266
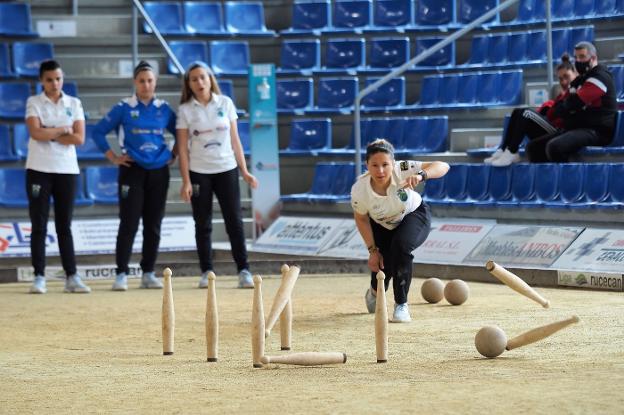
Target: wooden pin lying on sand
307	358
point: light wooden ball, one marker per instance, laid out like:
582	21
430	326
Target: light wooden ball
491	341
432	290
456	292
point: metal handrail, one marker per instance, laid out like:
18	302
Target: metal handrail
138	6
398	71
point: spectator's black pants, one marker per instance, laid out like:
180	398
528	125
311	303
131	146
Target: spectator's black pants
558	147
396	247
525	122
62	188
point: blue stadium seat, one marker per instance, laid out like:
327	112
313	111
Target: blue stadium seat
413	136
227	88
395	132
435	135
478	51
308	137
546	185
500	185
522	185
605	8
510	89
321	183
530	11
391	15
309	17
246	18
517	51
444	57
536	53
449	87
20	140
229	57
469	10
435	191
585	9
203	19
595	186
579	34
430	91
89	150
13	100
101	184
365	138
167	16
335	95
15	20
387	53
455	183
390	95
344	56
332	183
467	89
294	96
434	12
81	198
618	78
6	70
498	49
13	188
617	145
616	188
244	135
488	85
301	56
69	87
477	188
571	189
562	9
27	57
560	42
6	147
350	16
187	52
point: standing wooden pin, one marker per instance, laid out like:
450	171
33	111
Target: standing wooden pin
212	320
286	318
282	297
168	314
257	323
381	320
515	283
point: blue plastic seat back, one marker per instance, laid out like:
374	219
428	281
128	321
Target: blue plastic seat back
203	18
469	10
244	17
618	79
500	183
89	150
435	134
510	89
309	134
580	34
376	129
585	8
477	184
20	140
294	93
167	16
13	187
435	189
229	56
5	62
13	99
345	53
449	86
187	52
522	181
337	92
560	41
596	185
562	9
392	13
389	94
571	188
227	88
498	48
456	181
618	135
488	86
69	87
536	51
310	15
517	52
388	52
443	57
244	135
27	57
616	184
15	20
395	131
300	54
323	178
547	181
531	11
430	90
102	183
604	8
6	148
479	49
364	134
352	14
344	176
414	133
467	90
434	12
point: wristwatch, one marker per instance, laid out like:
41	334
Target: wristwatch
422	174
372	249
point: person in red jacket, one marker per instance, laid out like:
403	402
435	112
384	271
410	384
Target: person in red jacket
534	123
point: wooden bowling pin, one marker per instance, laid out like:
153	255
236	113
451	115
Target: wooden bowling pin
515	283
381	320
257	323
539	333
286	318
307	358
212	320
168	314
282	297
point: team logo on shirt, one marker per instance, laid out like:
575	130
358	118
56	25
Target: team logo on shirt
134	114
212	143
220	112
195	190
35	189
148	147
68	112
404	165
125	189
402	195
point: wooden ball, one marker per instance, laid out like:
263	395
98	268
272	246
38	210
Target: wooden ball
456	292
491	341
432	290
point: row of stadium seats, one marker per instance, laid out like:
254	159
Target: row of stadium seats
15	20
23	59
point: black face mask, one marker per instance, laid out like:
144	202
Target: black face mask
581	67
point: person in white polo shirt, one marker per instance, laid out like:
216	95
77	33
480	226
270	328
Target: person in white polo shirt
392	218
211	155
56	125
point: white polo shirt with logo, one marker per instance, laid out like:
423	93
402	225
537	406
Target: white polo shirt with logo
50	156
388	211
210	144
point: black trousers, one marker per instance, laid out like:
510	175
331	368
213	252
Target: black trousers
559	146
39	188
396	247
525	122
225	187
142	195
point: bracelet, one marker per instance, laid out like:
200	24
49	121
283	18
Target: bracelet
372	249
422	174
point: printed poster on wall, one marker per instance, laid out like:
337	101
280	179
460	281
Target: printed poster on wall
345	243
598	250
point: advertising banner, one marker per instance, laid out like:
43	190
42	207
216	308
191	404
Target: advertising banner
596	250
597	280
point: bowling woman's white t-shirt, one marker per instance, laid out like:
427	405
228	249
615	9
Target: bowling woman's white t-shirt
388	211
210	144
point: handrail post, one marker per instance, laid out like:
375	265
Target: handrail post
135	37
549	49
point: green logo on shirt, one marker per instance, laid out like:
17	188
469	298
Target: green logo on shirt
220	112
134	114
402	195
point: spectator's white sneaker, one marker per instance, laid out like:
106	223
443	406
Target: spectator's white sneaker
401	314
244	279
149	280
506	159
371	300
73	284
203	281
493	157
121	282
39	285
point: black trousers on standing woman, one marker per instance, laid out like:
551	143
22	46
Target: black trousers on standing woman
396	247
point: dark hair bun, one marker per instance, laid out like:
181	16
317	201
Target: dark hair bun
565	58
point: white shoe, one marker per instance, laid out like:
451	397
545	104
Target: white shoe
203	281
371	300
401	314
244	279
493	157
121	282
149	280
73	284
39	285
506	159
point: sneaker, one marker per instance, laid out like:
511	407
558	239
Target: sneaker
244	279
73	284
493	157
371	300
506	159
203	281
149	280
39	285
401	314
121	282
